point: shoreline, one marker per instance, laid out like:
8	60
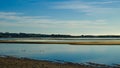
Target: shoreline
14	62
59	42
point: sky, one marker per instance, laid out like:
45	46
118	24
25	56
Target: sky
74	17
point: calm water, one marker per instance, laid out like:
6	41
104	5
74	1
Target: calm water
63	39
71	53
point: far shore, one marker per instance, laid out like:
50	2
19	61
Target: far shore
59	42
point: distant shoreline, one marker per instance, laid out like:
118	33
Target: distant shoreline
34	35
57	42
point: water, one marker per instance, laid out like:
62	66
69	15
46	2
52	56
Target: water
72	53
63	39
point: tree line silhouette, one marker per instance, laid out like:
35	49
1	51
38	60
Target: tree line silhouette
28	35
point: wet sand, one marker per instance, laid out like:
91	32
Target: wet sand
57	42
13	62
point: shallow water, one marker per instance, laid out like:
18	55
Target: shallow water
63	39
62	52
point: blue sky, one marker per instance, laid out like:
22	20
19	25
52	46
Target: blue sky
75	17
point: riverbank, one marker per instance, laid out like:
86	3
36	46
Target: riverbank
57	42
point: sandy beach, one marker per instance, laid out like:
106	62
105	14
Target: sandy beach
57	42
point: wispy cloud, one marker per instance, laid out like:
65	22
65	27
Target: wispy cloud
89	8
14	19
106	2
9	13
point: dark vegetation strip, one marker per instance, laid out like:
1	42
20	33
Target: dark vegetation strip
31	35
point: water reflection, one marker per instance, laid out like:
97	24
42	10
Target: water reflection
73	53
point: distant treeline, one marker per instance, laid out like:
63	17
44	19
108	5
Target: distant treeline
29	35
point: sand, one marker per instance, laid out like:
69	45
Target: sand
13	62
57	42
